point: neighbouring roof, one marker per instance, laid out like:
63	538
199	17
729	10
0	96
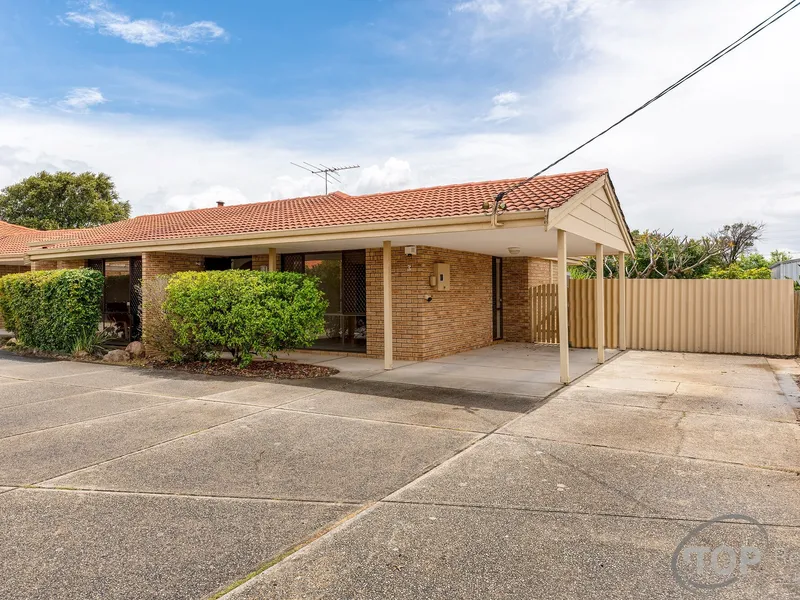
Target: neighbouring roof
16	240
330	210
11	229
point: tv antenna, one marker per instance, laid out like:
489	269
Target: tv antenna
325	172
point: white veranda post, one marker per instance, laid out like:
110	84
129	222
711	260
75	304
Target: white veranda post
563	321
387	305
599	302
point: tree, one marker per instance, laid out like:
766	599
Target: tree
63	200
661	256
737	240
777	256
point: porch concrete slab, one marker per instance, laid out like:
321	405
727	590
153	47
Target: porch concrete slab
39	368
18	392
479	372
521	473
522	357
282	455
190	386
443	379
444	552
72	409
482	415
357	367
739	440
598	424
68	545
33	457
263	394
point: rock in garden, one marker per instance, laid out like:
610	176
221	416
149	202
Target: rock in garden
81	354
135	349
117	356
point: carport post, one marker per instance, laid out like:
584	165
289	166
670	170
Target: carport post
623	331
273	259
387	305
600	305
563	321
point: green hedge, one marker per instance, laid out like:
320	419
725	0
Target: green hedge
244	312
51	310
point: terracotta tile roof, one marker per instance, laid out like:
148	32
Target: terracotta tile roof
338	208
11	229
18	242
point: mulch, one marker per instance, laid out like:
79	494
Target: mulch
265	369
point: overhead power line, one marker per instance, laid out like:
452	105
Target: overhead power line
774	17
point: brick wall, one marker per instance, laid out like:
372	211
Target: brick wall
44	265
165	263
71	264
454	321
519	275
262	260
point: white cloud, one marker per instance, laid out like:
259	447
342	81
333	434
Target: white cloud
486	8
394	174
504	107
16	101
97	14
205	197
720	148
82	99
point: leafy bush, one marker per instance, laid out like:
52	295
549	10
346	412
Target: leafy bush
737	272
244	312
52	310
158	334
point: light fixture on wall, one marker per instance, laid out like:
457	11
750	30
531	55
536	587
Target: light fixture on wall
513	250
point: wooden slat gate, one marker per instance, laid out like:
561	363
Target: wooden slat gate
544	313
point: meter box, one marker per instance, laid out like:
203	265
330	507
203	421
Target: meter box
441	275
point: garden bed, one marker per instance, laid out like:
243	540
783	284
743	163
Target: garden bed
265	369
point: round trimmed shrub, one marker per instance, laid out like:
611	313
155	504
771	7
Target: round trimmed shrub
244	312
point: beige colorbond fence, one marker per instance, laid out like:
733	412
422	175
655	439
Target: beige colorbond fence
682	315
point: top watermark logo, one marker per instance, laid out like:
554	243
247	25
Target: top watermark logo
719	552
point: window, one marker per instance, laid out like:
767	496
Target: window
343	279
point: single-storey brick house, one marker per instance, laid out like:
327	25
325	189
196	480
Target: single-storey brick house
415	274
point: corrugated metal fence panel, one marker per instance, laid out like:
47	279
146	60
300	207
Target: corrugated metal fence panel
692	315
797	323
582	312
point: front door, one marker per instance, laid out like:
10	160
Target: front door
497	297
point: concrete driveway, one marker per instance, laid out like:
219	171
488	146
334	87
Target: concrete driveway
119	483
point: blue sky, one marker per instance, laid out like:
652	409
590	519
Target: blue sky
268	61
187	102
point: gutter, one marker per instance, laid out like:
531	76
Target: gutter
293	236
